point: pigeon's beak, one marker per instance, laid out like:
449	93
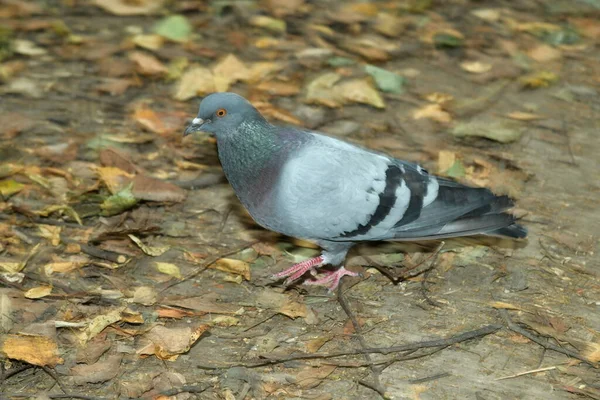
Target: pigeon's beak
195	126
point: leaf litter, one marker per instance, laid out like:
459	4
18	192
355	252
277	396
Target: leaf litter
98	225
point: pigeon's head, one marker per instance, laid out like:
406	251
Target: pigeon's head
222	113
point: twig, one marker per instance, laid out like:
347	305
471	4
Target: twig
486	330
5	374
376	384
532	371
53	376
104	254
409	272
542	342
430	378
205	265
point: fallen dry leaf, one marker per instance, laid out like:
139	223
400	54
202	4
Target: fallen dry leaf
279	88
145	295
196	81
169	269
311	377
101	371
114	178
33	349
434	112
147	64
544	53
229	71
153	251
99	323
168	343
524	116
233	266
360	91
38	292
152	189
125	7
476	67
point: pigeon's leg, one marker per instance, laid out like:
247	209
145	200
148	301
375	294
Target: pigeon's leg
331	279
297	270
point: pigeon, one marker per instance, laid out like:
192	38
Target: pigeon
308	185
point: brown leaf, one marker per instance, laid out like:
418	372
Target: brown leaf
59	153
101	371
544	53
110	157
13	123
147	64
114	86
311	377
37	350
151	189
149	120
168	343
293	309
93	350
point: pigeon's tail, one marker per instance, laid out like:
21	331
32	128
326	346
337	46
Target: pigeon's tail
463	211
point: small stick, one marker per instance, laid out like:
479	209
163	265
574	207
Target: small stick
533	371
542	342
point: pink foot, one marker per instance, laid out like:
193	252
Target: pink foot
297	270
331	279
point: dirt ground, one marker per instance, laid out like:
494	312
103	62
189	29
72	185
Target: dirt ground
129	270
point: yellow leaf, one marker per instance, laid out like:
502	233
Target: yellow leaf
169	269
196	81
233	266
360	91
476	67
592	352
434	112
50	232
38	292
539	79
320	90
9	187
99	323
114	178
11	267
524	116
153	251
33	349
229	71
63	266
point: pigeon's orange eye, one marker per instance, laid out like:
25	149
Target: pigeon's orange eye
221	112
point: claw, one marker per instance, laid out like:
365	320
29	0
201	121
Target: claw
297	270
331	280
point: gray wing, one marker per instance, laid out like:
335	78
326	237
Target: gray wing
332	190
